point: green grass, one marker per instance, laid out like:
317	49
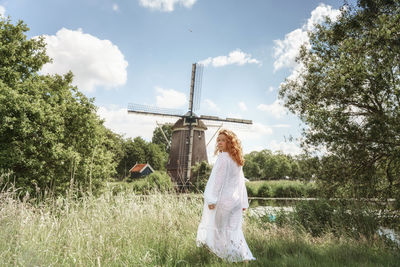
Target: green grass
155	230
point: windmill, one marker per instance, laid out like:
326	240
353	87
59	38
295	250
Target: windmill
188	145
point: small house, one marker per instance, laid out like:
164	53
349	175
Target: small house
140	170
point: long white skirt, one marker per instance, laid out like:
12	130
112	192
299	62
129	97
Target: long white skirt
220	230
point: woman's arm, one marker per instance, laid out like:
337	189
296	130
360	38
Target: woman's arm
215	181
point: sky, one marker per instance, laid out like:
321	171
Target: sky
141	51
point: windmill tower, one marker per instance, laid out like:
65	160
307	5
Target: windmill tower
188	145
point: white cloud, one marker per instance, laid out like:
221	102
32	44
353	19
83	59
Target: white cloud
211	105
115	7
248	134
166	5
169	98
130	125
276	108
285	147
2	11
319	14
271	89
242	106
94	62
281	126
286	51
235	57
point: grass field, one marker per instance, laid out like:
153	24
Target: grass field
157	230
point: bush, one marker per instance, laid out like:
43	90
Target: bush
340	218
201	172
264	191
314	216
355	220
289	191
251	192
159	180
311	190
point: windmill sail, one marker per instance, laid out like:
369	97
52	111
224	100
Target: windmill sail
151	110
197	86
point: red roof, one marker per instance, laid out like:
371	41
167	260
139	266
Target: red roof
137	167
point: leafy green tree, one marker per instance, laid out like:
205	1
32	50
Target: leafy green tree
284	166
348	95
201	172
50	136
156	156
251	169
160	135
137	150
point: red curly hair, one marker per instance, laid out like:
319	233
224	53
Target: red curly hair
233	146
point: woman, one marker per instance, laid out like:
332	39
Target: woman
225	198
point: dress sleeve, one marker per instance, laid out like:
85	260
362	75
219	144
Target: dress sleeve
216	180
245	199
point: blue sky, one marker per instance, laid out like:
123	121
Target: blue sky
141	51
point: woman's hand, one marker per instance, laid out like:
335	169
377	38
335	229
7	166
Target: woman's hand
211	206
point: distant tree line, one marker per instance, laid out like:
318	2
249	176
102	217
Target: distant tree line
266	165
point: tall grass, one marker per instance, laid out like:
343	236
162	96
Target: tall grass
155	230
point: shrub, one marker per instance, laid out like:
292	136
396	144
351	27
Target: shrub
311	190
289	191
264	191
251	192
340	218
355	220
159	180
314	216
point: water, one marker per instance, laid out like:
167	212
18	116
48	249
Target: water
390	234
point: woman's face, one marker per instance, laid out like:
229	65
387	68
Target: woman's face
221	142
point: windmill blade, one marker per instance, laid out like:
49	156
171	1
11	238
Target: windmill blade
151	110
192	81
230	120
198	82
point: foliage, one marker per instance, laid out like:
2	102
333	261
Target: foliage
137	150
50	136
314	216
272	166
282	189
341	218
201	172
264	191
290	191
160	181
159	138
251	190
348	95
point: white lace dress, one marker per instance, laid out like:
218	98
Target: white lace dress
220	229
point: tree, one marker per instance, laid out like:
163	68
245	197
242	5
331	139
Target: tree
201	172
137	150
50	136
348	95
160	135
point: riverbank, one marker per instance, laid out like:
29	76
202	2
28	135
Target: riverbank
158	230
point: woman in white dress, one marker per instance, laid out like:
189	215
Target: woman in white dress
225	198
